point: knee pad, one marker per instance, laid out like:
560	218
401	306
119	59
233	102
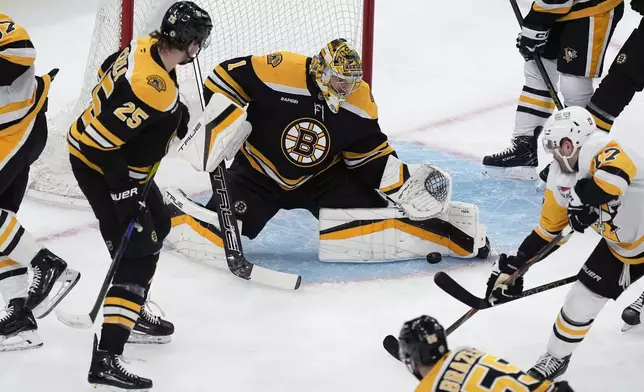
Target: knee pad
577	90
581	304
136	271
533	78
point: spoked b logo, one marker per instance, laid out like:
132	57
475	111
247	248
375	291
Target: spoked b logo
305	142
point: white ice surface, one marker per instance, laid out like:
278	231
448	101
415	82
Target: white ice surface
446	75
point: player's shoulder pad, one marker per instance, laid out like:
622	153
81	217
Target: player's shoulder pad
361	102
10	31
282	71
150	82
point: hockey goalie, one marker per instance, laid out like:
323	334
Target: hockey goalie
303	133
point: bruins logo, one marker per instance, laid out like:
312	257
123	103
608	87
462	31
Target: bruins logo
157	82
274	59
154	237
305	142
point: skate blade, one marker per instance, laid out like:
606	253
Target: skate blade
515	173
628	327
109	388
69	278
137	338
28	340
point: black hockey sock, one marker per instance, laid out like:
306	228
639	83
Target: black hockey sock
121	310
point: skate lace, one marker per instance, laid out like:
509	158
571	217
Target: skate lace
548	364
122	369
509	150
637	305
9	312
36	281
147	313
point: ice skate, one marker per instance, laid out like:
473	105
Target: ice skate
151	329
631	315
49	270
18	327
108	374
519	161
549	367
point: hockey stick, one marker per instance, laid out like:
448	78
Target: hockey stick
538	61
237	263
451	287
85	321
390	343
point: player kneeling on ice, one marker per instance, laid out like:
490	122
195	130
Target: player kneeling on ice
593	182
423	348
316	144
23	134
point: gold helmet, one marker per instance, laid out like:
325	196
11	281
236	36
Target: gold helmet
338	72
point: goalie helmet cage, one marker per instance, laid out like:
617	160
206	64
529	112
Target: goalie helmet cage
240	27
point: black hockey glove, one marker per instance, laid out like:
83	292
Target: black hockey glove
532	41
638	6
128	204
503	268
182	129
580	215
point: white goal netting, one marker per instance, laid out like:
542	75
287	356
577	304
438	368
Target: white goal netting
241	27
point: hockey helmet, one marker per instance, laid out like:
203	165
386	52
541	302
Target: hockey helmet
185	22
422	342
337	70
573	123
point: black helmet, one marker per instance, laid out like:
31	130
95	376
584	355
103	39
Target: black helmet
185	22
422	342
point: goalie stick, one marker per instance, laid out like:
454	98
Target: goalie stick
390	343
237	263
85	321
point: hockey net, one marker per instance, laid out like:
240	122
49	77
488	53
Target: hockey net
241	27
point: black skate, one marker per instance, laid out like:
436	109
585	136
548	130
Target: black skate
151	329
549	367
49	269
519	161
18	325
631	315
106	370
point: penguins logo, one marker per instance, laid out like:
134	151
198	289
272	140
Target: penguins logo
305	142
605	225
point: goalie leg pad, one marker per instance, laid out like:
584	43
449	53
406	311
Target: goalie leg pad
387	234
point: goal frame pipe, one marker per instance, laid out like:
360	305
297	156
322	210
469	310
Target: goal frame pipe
368	17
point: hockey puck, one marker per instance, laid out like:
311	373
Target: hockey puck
434	258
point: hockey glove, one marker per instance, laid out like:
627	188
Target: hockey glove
128	206
638	6
580	215
182	129
497	289
562	386
532	41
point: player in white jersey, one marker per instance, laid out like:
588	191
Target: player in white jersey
593	182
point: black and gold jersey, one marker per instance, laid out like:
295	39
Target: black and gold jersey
22	94
546	12
295	136
132	118
468	369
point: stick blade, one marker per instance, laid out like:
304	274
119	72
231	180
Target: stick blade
277	279
391	345
451	287
78	321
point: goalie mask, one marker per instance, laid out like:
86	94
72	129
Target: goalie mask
337	70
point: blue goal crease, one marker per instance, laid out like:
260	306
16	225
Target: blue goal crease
508	208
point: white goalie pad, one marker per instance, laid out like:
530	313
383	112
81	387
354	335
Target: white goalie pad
195	231
218	135
425	194
387	234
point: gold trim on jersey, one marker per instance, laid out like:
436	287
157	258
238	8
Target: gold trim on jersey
288	77
215	88
554	217
149	81
355	159
225	82
546	104
601	124
263	165
397	184
8	229
361	102
541	6
17	33
385	224
601	8
612	169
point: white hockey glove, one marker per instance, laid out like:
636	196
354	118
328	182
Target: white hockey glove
425	194
218	135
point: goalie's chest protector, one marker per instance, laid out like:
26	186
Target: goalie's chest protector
295	134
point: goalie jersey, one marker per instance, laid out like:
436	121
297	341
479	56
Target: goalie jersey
132	118
468	369
295	136
613	171
22	94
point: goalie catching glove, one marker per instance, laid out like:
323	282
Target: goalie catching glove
218	135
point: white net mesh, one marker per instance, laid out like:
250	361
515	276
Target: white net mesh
241	27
